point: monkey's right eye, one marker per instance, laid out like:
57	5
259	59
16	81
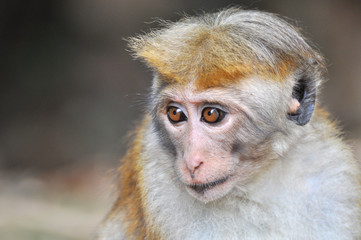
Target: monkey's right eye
176	115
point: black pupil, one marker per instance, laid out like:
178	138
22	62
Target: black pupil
210	112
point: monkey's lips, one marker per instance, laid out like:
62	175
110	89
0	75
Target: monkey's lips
204	187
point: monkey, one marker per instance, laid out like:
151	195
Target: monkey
234	143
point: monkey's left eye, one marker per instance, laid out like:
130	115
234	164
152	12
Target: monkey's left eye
176	115
212	115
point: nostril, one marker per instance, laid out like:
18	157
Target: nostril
194	170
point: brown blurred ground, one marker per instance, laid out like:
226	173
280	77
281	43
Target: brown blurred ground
66	204
70	92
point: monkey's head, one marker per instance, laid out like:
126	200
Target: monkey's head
232	92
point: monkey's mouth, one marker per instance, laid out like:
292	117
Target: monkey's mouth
202	188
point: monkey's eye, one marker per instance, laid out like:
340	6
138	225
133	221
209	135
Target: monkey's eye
176	115
212	115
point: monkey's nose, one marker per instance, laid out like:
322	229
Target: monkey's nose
194	168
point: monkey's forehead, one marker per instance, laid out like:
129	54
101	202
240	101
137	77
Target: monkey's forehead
216	49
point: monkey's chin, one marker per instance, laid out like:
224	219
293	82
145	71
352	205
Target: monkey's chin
211	191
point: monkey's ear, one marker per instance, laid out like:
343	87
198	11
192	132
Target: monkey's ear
302	104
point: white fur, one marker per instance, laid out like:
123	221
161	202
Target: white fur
308	194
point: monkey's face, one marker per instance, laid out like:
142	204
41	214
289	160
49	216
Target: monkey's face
216	140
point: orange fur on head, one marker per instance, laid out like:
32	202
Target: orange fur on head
208	56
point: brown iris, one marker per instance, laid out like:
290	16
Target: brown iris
176	114
212	115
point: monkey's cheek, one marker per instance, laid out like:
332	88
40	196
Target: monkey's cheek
213	192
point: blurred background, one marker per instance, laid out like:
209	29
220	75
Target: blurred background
70	93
